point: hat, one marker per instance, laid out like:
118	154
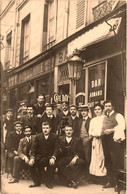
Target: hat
9	109
18	122
83	107
73	105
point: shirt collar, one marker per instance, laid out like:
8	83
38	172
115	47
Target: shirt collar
28	138
68	139
46	136
73	117
85	118
111	112
65	112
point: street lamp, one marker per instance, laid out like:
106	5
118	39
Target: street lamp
75	64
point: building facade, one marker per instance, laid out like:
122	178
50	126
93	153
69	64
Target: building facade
39	39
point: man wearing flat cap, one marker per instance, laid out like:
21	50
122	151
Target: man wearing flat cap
73	120
13	140
84	135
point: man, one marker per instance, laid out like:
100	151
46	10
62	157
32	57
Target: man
62	118
70	163
43	154
73	120
49	117
31	120
113	135
24	153
40	106
13	140
8	124
84	135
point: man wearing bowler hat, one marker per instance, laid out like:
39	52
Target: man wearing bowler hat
84	135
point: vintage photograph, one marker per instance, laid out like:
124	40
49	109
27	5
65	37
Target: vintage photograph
63	96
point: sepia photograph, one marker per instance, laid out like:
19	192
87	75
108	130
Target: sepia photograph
63	105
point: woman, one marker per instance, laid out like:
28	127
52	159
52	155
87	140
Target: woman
97	167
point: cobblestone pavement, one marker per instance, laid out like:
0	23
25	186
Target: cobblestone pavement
23	188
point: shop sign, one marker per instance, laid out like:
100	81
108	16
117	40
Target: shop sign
96	83
61	56
60	98
63	73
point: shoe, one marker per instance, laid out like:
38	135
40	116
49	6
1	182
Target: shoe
49	185
35	185
116	188
74	184
14	180
107	185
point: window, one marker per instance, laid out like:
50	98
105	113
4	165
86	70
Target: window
25	40
80	14
8	50
52	22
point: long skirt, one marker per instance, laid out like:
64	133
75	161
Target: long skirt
97	167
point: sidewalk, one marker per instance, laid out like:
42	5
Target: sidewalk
23	188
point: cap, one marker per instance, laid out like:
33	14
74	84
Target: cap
73	105
84	107
18	122
9	109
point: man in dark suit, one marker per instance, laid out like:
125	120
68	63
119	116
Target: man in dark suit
84	135
24	153
62	118
13	140
70	162
49	117
32	120
73	120
40	106
43	154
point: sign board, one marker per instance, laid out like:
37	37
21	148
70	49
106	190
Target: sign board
58	98
96	84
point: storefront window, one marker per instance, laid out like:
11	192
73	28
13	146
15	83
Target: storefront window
96	83
80	90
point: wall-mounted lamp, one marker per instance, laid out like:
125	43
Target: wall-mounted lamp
75	65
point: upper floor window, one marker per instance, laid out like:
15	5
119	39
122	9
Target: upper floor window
52	22
8	50
25	40
80	14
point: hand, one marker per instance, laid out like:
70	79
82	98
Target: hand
26	160
15	152
108	131
31	162
52	161
39	115
73	161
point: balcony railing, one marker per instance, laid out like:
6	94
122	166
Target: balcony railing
49	45
104	8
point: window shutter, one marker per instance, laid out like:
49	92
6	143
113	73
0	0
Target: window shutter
80	16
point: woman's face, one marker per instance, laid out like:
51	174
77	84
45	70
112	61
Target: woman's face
98	111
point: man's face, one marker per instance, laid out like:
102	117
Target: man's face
73	111
84	113
48	111
18	127
9	114
28	132
68	131
40	99
30	110
64	107
108	107
24	110
46	129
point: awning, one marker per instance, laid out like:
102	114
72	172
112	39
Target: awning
105	30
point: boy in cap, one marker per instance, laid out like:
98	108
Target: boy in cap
84	135
13	140
24	153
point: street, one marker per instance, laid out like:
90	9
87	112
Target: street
23	188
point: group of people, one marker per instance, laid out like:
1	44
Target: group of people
70	141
